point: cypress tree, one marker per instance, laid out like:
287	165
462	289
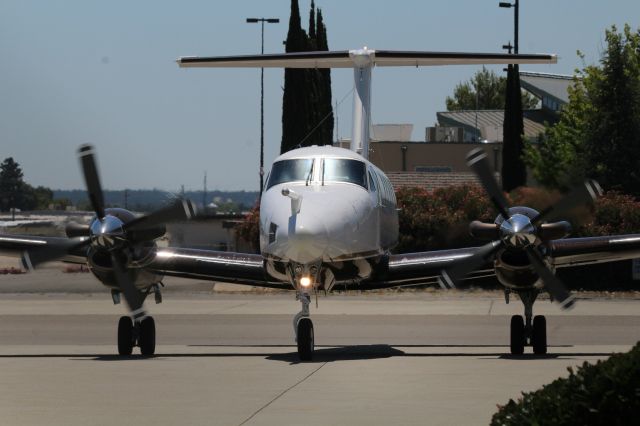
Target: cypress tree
312	27
313	88
514	172
307	92
294	107
325	85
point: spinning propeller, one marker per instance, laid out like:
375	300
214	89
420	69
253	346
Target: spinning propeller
519	232
112	231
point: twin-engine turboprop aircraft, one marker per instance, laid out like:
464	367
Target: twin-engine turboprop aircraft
328	217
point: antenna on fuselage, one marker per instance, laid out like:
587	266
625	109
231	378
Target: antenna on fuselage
362	62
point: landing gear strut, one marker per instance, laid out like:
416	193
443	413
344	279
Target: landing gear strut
303	328
139	329
142	334
524	331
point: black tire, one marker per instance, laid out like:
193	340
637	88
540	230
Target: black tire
147	339
517	335
125	336
539	335
305	339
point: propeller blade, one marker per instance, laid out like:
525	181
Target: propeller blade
131	294
90	172
52	251
477	161
555	287
584	193
178	211
457	272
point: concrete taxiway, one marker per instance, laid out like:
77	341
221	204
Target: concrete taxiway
393	358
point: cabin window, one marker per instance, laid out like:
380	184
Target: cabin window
345	170
298	170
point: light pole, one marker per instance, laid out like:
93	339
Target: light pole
262	21
516	9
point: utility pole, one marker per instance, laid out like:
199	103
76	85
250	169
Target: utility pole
204	194
262	21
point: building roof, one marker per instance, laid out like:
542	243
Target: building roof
533	121
431	181
547	85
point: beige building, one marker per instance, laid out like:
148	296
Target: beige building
440	160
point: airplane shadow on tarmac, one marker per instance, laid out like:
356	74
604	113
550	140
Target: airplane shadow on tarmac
323	354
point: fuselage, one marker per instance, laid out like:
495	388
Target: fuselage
327	206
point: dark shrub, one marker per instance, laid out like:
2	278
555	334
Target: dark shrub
607	393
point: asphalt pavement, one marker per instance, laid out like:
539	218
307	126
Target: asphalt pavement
230	359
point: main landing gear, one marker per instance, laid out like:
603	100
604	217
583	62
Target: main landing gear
525	332
303	328
139	329
141	333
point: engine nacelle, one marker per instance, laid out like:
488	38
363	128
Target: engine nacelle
138	246
514	270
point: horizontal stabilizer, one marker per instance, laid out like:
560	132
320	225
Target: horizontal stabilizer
361	58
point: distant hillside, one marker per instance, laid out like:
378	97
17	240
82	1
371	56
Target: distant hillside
150	199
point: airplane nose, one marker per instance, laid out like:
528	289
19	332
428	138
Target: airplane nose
307	237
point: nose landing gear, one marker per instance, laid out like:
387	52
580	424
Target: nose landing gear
303	327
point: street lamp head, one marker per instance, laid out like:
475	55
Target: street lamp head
268	20
505	4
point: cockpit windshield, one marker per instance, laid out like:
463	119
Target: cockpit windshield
291	171
344	170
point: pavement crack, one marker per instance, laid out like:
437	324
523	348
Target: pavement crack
282	394
228	308
490	307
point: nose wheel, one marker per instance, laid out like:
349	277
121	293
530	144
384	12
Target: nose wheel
142	334
303	327
305	339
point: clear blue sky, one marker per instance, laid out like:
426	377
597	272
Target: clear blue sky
103	72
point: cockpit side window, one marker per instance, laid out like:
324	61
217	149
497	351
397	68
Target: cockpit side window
345	170
297	170
372	183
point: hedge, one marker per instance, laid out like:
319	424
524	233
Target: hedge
605	393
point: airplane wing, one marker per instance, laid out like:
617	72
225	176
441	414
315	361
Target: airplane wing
410	269
15	245
425	268
349	58
589	250
421	268
230	267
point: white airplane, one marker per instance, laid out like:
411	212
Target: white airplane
328	217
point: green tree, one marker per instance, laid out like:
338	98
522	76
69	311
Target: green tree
43	197
11	185
598	134
306	103
490	90
16	193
